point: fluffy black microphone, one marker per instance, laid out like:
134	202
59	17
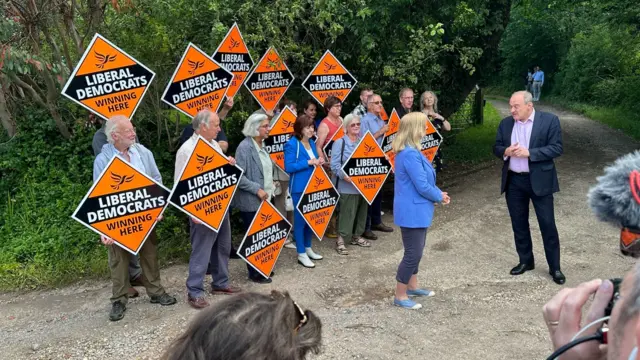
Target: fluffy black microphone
616	200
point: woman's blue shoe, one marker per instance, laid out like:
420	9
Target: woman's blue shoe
407	304
420	292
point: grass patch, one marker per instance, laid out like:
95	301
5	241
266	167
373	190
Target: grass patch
615	117
473	145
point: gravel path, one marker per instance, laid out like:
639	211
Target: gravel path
479	311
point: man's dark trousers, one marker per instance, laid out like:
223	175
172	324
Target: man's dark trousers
518	195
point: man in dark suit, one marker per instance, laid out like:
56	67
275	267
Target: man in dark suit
527	142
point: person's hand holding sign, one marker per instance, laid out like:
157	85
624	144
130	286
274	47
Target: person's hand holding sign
347	179
321	161
160	217
106	241
232	161
262	194
196	221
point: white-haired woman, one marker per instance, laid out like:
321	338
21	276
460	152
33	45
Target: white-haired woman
429	106
256	184
415	193
353	206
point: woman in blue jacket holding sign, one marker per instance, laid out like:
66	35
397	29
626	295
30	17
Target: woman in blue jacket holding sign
300	159
415	193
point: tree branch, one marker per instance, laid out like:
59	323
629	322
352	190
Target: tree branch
34	95
65	47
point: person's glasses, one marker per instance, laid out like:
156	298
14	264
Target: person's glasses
129	131
355	125
407	97
304	318
377	102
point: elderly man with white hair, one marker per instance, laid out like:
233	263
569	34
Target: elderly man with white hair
257	183
209	249
121	136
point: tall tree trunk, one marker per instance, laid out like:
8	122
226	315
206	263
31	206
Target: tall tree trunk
5	116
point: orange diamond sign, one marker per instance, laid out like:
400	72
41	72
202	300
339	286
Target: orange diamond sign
390	135
233	55
367	167
430	143
123	204
269	80
329	78
318	201
198	83
206	186
265	238
108	81
280	133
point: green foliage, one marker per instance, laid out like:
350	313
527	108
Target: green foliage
589	51
473	145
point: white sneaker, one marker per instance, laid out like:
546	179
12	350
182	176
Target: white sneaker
381	213
313	255
304	260
289	244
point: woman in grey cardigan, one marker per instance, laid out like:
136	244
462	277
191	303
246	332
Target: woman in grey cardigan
353	206
256	184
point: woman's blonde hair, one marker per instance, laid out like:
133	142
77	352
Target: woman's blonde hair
413	126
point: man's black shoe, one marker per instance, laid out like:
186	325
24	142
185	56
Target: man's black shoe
117	311
382	227
369	235
522	268
558	277
164	299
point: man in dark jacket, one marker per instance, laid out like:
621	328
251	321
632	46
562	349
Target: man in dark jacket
528	142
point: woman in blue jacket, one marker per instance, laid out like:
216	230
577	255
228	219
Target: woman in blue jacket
415	192
300	158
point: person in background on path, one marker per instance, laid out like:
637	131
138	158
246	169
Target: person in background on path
361	109
416	193
528	141
121	137
406	102
257	183
209	249
100	140
353	206
538	81
300	159
327	129
371	122
429	106
528	81
250	326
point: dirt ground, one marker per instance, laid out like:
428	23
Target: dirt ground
479	311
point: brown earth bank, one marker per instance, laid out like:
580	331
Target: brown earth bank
479	311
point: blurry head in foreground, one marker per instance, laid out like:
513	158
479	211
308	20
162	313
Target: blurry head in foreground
250	326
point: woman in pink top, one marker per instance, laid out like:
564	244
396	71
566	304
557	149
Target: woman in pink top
330	124
328	127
